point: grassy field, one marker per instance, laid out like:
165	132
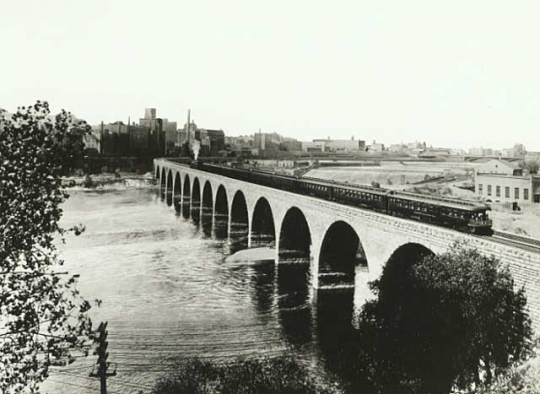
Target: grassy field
393	173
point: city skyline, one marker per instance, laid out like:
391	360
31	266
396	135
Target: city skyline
456	74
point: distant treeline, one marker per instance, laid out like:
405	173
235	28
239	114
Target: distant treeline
107	164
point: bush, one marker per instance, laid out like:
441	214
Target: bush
242	376
88	181
443	321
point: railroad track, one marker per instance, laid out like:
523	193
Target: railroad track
519	241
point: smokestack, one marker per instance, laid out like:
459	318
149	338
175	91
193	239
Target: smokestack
188	125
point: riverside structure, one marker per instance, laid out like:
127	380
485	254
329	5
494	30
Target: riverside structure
344	246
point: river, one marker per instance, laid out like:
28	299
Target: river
170	290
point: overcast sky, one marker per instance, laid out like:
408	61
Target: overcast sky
451	73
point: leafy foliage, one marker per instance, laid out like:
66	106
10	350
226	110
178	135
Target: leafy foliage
532	166
42	315
242	376
450	320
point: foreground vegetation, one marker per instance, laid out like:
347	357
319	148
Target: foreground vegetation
243	376
450	321
441	323
42	315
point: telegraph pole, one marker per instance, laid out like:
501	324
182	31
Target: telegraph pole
102	364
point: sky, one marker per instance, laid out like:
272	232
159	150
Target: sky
455	73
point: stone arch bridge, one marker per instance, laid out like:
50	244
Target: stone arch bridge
344	246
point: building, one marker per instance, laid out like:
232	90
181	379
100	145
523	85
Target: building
210	142
476	152
503	181
508	188
139	140
268	144
532	156
351	145
151	137
330	145
376	147
313	146
397	148
501	167
267	141
290	144
170	131
217	141
114	139
240	142
92	143
157	136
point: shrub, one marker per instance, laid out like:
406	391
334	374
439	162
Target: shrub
448	320
242	376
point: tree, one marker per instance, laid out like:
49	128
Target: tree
532	166
42	315
282	374
449	320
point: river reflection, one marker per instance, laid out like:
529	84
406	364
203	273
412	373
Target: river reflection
175	288
294	305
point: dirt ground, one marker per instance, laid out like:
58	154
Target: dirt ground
525	222
393	174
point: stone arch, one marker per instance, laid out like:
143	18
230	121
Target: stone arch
186	197
221	213
196	201
341	253
295	236
263	232
293	277
239	222
207	208
169	193
409	254
398	266
162	184
177	192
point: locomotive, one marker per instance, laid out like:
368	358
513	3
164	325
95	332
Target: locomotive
466	216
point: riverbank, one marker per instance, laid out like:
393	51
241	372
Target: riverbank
109	181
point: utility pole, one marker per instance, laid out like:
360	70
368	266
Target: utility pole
102	364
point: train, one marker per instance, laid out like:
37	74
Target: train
465	216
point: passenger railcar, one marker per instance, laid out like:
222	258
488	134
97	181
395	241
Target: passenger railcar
467	216
365	197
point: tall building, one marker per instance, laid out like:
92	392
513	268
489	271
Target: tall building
217	141
150	113
157	136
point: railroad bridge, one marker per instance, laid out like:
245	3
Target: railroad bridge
343	246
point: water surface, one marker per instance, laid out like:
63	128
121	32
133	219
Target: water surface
171	289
